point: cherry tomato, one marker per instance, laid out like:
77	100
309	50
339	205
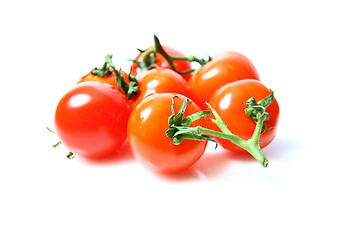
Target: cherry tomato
229	101
223	68
91	119
162	80
180	65
109	79
147	139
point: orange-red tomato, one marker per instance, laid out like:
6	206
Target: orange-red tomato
147	139
229	101
162	80
223	68
109	79
91	119
180	65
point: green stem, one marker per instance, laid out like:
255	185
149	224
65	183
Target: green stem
129	89
103	71
171	59
180	128
149	61
160	49
218	121
146	55
188	71
192	58
251	145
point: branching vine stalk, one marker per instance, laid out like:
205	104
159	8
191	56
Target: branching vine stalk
180	129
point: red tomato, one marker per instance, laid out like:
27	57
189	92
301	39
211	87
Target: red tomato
229	101
222	69
162	80
91	119
180	65
109	79
147	139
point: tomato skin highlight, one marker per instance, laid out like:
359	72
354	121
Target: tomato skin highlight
223	68
147	139
162	80
91	119
229	101
180	65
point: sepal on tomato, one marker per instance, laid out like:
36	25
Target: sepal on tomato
179	128
104	71
170	59
149	59
130	89
257	110
148	62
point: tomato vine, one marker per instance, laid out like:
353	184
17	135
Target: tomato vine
180	129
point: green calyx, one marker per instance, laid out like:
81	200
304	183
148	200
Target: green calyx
180	129
104	71
130	89
171	59
149	58
257	110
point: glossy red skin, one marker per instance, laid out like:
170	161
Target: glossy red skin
180	65
109	79
162	80
148	142
224	68
91	119
228	103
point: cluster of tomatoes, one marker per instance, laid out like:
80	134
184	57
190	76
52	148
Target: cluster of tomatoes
108	106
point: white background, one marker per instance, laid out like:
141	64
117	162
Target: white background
307	51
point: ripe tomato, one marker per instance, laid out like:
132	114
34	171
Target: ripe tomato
223	68
229	101
147	139
91	119
162	80
109	79
180	65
